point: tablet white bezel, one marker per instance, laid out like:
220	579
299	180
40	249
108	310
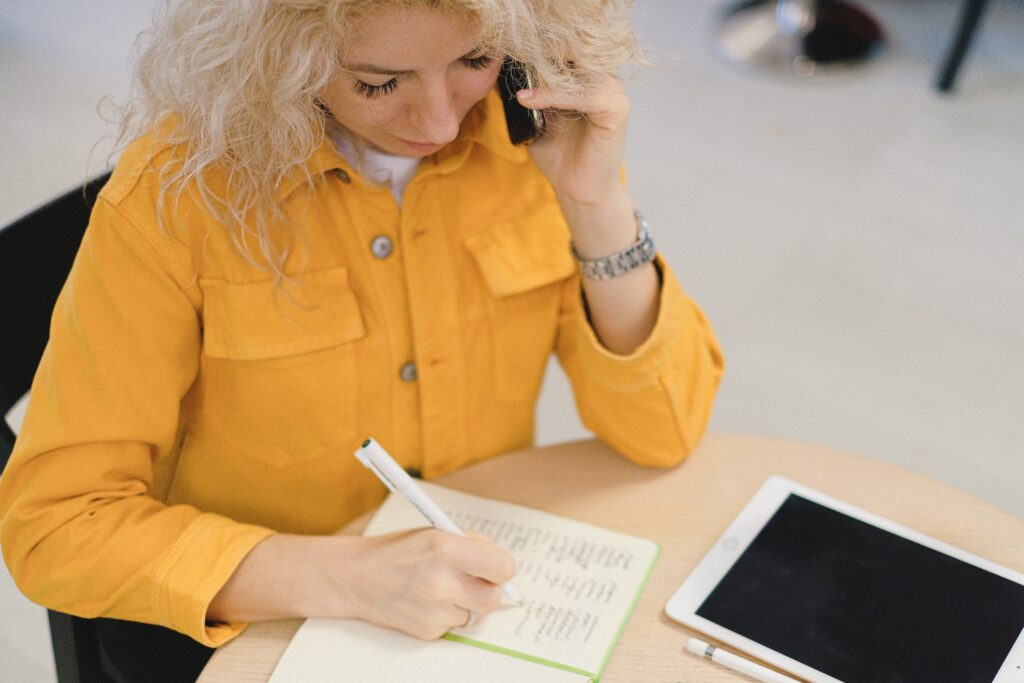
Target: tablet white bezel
682	606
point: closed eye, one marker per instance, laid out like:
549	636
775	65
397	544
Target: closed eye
476	63
372	92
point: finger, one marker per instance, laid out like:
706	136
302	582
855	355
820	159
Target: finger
479	595
472	617
483	559
451	617
606	100
428	631
586	100
439	621
439	585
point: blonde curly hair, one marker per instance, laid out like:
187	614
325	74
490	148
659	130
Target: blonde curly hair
241	79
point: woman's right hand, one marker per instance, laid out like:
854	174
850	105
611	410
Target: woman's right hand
422	582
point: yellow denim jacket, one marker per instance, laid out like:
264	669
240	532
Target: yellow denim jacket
185	408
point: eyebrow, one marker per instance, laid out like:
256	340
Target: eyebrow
384	71
371	69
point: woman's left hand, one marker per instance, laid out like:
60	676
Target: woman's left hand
581	153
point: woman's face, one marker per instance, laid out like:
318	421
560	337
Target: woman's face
410	77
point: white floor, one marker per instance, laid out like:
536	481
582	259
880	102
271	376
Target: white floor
856	242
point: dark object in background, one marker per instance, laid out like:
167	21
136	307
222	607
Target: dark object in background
802	38
970	17
36	253
131	652
842	33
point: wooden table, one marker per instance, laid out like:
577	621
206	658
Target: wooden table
684	510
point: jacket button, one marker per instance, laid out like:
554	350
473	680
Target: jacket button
408	372
341	175
381	246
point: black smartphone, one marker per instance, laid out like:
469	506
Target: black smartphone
524	125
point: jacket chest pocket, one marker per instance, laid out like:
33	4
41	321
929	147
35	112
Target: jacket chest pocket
524	263
279	366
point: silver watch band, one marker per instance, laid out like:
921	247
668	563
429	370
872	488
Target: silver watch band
640	252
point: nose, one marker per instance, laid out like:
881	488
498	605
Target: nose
435	115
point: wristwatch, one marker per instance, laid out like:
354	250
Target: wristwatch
640	252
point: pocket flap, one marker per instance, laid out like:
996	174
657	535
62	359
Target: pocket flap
523	254
258	320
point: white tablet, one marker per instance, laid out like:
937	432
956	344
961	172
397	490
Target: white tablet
829	592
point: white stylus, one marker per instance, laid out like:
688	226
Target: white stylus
380	462
737	663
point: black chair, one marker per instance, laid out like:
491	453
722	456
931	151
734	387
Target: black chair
803	38
970	17
36	253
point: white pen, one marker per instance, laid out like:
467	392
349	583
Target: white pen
380	462
737	663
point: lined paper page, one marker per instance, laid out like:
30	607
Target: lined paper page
332	650
579	581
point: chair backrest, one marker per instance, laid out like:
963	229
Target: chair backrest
36	253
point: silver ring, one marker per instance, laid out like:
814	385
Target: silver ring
470	620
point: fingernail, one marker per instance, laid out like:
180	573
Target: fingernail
524	94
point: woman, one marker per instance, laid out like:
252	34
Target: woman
324	233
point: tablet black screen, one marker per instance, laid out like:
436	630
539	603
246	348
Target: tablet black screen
862	604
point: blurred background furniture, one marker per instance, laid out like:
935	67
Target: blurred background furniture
798	37
36	253
970	17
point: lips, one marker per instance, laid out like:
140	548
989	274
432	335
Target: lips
421	146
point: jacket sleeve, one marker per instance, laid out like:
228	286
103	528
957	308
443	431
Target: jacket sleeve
81	526
653	404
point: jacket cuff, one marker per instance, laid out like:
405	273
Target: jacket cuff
195	570
641	367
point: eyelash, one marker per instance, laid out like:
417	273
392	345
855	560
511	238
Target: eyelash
477	63
372	92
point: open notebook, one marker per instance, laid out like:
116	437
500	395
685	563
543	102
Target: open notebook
579	582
